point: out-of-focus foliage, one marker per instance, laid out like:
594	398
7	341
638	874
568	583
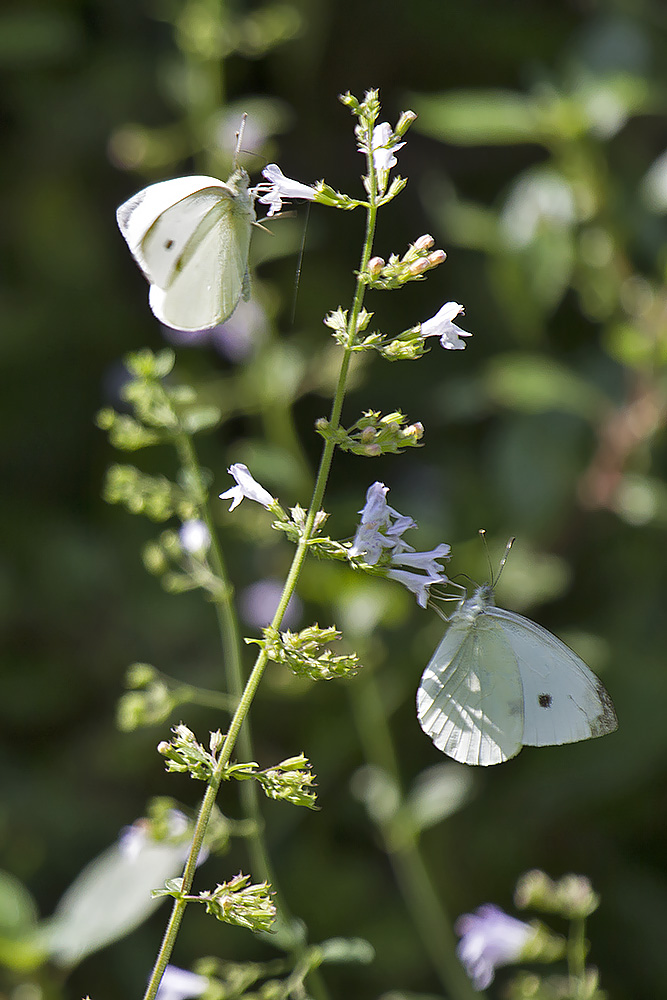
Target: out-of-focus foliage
538	161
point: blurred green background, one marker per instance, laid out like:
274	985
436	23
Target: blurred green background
538	162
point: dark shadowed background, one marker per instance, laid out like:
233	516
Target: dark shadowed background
535	162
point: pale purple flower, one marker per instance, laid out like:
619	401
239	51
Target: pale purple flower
490	938
133	839
405	555
380	525
384	148
194	537
246	486
281	188
442	325
379	540
417	583
259	601
179	984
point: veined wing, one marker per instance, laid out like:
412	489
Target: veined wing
470	700
207	284
158	221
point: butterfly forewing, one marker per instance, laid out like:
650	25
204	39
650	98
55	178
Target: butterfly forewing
563	700
470	701
158	221
209	278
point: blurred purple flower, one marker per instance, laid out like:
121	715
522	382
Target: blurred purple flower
179	984
259	601
490	938
236	338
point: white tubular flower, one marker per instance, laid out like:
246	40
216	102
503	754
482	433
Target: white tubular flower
379	540
427	562
281	188
417	583
384	147
246	486
179	984
442	325
194	537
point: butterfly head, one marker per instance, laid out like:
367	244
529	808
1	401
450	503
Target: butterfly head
476	605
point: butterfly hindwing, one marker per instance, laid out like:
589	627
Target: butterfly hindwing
470	699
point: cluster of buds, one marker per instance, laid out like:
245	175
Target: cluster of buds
148	702
155	496
571	896
292	780
395	272
303	652
374	434
185	755
236	902
319	546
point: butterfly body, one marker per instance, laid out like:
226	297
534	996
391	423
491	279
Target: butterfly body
191	236
498	681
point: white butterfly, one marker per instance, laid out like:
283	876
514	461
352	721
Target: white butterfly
498	682
190	236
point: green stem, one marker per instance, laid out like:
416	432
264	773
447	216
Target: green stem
576	956
227	617
231	644
402	847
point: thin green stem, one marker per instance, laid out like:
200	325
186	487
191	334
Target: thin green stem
576	956
426	909
228	619
231	644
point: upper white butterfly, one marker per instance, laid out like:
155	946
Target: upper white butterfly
191	236
497	681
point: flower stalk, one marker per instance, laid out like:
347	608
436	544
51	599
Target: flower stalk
227	618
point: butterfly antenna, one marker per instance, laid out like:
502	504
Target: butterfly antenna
504	558
495	577
239	139
482	535
297	278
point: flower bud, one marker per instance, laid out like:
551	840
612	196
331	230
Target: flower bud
404	122
419	266
375	265
415	431
437	257
424	242
373	450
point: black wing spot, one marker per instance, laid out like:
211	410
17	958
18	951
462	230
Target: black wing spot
544	700
168	244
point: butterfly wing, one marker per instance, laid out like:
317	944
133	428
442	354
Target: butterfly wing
563	700
470	699
194	250
158	221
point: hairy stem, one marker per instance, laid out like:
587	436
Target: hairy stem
229	630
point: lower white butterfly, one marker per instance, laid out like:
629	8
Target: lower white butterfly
191	236
498	682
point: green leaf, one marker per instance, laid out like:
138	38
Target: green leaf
109	898
533	383
339	950
438	792
479	117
